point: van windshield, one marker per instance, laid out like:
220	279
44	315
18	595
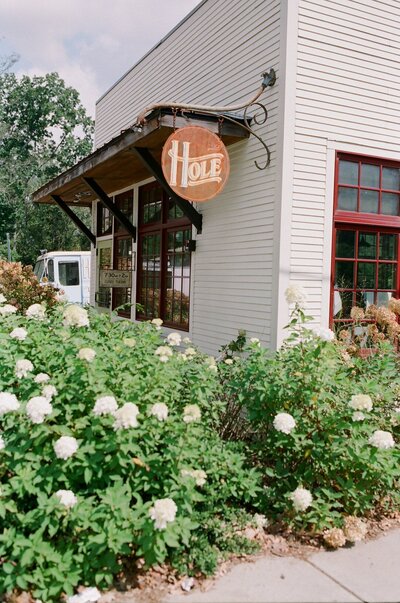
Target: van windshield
39	269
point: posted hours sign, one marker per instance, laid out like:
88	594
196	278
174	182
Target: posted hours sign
195	163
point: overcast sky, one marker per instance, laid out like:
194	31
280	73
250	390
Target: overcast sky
90	43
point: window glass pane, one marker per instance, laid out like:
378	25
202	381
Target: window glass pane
364	299
50	270
39	268
369	202
174	212
388	246
68	273
370	175
348	172
390	204
387	276
383	298
347	199
366	275
391	178
367	245
345	244
343	302
344	275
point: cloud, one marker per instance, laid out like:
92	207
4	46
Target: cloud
90	43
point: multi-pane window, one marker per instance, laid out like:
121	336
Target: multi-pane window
122	296
104	220
366	245
164	259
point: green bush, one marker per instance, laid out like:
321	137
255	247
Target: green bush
320	426
109	453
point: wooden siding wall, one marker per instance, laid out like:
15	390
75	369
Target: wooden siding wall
217	56
347	98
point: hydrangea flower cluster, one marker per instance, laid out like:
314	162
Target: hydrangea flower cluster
41	378
2	443
325	334
191	413
198	475
36	312
174	339
23	367
65	447
157	322
67	498
38	408
49	391
164	352
355	529
382	439
8	403
3	299
126	416
19	333
75	316
295	294
361	402
284	422
87	354
7	309
159	410
163	512
334	538
106	405
301	498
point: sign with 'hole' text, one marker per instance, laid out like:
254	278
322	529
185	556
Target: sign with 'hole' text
195	163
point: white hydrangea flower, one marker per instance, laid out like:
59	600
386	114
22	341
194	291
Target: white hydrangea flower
361	402
159	410
67	498
2	299
397	410
228	361
295	294
212	364
183	357
23	367
36	311
191	413
106	405
163	512
325	334
8	403
19	333
382	439
260	520
302	498
87	595
38	408
198	475
41	378
65	447
157	322
186	340
61	297
7	309
284	422
164	352
174	339
2	443
358	416
75	316
126	416
49	391
86	354
130	342
189	352
255	341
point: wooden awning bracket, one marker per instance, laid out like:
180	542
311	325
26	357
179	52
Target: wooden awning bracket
154	168
108	202
77	221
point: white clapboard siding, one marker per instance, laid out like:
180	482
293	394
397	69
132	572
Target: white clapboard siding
347	97
217	56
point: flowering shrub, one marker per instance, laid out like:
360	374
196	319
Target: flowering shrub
109	453
372	326
20	288
322	426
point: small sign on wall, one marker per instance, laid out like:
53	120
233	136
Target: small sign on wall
195	163
115	278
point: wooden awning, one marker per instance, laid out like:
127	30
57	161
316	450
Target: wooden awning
116	165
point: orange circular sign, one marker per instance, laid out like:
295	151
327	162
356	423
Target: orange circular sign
195	163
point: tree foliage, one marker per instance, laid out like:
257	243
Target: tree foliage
44	129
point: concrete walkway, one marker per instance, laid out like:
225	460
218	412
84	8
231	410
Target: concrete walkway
368	572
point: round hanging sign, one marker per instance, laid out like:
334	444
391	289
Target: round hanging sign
195	163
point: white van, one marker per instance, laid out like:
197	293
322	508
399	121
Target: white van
68	271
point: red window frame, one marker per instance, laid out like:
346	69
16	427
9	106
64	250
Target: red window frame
124	202
364	222
163	227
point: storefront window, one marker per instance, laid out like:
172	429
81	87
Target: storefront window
164	259
122	296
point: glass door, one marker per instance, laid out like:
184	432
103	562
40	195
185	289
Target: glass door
104	262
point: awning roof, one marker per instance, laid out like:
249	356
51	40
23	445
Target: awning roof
114	166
